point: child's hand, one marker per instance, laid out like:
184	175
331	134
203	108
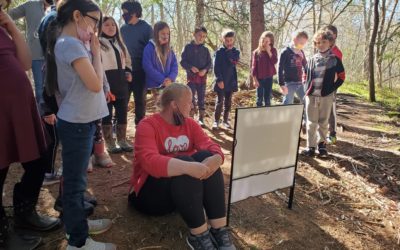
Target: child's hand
194	70
284	90
110	97
221	85
167	82
256	83
202	72
95	45
128	76
198	170
50	119
7	23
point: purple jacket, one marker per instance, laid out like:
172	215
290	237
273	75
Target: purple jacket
155	72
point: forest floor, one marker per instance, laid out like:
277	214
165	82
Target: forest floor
351	200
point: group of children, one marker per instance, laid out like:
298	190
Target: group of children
90	77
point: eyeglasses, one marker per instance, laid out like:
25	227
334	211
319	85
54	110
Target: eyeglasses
96	21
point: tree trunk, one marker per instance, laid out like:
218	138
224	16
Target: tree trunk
371	52
200	12
152	16
257	26
367	12
161	6
179	25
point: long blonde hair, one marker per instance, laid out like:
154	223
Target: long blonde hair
161	50
264	35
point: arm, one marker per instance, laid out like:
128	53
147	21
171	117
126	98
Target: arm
174	67
23	52
18	12
184	59
254	65
147	64
217	66
209	61
274	57
281	69
203	142
340	72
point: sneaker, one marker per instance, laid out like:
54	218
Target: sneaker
94	245
223	238
125	145
200	242
331	139
201	123
310	152
51	179
99	226
215	125
322	149
226	125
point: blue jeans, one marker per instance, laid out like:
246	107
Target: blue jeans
200	89
293	87
37	66
264	92
77	143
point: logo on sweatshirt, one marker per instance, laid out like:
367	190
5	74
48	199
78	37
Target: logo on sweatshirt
180	144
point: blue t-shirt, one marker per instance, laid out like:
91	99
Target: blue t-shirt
78	103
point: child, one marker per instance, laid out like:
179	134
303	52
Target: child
225	60
263	67
292	65
196	60
333	118
117	65
75	71
159	61
320	86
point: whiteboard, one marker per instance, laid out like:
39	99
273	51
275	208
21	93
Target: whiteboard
265	150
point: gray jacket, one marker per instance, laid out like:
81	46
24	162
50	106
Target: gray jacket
33	11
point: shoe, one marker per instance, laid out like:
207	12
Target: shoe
310	152
215	125
51	179
226	125
89	207
201	242
121	139
322	149
37	222
99	226
100	157
21	241
112	148
94	245
332	139
223	238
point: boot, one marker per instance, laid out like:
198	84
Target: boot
121	138
101	157
201	118
25	215
112	148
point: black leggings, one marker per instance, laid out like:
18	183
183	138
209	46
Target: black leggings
51	152
189	196
30	183
121	112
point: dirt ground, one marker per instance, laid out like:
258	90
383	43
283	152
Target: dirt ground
350	200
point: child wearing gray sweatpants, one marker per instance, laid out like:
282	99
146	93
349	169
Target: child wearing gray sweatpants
322	70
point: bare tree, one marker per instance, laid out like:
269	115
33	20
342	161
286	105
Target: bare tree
371	52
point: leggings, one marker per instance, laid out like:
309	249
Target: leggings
121	112
189	196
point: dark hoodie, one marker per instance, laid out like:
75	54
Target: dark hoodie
225	68
196	55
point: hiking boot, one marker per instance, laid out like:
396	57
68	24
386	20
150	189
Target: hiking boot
112	147
310	152
121	139
51	179
227	125
94	245
215	125
223	238
322	149
201	242
99	226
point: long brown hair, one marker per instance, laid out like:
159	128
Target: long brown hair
264	35
161	50
65	12
117	36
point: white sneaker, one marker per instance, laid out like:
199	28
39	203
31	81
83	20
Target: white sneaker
99	226
94	245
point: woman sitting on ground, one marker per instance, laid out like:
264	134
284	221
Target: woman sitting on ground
177	166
